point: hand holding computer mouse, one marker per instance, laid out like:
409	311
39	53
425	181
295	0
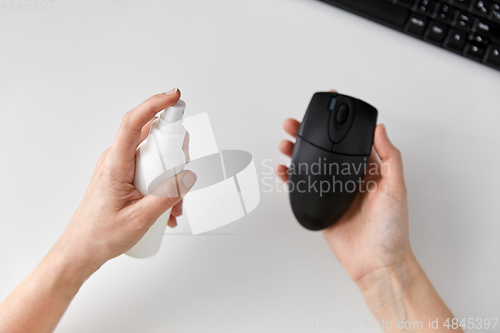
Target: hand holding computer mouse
373	233
371	236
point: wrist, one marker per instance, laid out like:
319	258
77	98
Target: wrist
399	274
77	265
58	276
402	293
392	292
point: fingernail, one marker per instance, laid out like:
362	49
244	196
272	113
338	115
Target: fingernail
171	92
188	179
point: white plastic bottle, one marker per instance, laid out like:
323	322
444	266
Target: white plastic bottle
158	158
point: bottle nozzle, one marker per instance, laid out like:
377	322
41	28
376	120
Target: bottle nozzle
174	113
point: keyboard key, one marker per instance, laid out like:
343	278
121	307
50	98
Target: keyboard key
495	12
456	40
425	7
463	20
404	3
436	32
479	40
416	25
463	4
481	7
444	13
487	28
493	57
475	52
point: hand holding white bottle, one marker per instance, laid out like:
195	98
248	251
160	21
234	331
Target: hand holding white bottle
159	158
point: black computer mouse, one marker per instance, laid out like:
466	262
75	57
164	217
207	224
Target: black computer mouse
330	158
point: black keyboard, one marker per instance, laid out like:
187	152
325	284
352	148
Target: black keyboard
467	27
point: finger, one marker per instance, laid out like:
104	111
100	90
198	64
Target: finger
100	162
177	209
374	166
292	126
392	163
374	159
282	172
334	91
166	195
286	147
172	222
145	130
102	158
129	133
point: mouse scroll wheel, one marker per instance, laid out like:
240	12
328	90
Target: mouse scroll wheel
342	114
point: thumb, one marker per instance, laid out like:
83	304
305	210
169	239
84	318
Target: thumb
166	195
392	163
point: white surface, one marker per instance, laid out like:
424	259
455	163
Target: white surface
203	206
248	184
68	75
201	136
226	190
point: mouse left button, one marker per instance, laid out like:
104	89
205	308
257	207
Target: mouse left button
359	138
314	128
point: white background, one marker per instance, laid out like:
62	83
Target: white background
69	74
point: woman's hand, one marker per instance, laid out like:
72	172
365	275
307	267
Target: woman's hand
113	216
373	233
372	242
